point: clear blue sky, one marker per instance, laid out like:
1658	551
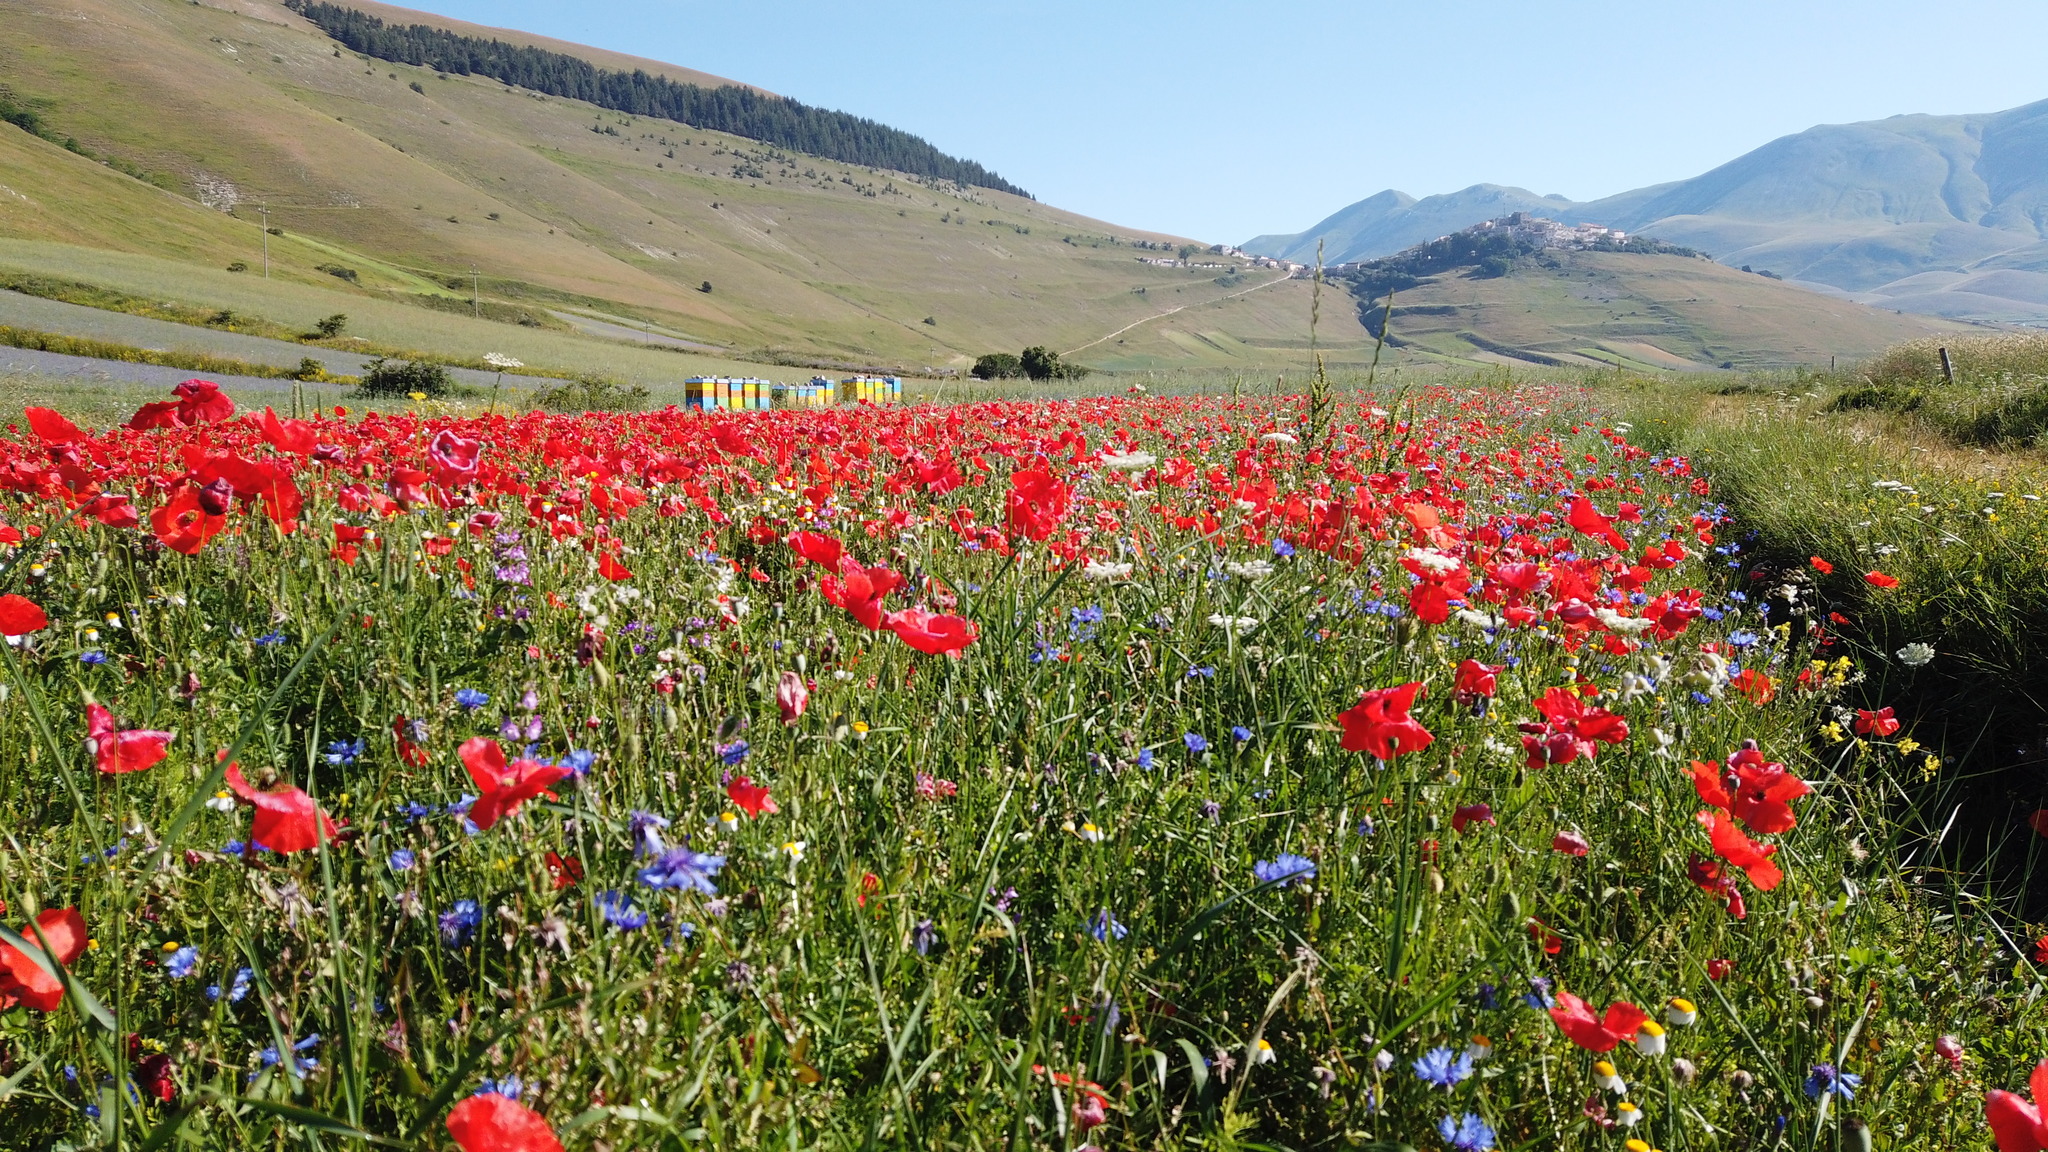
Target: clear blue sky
1224	120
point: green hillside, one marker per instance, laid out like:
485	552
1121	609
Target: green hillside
553	202
1589	309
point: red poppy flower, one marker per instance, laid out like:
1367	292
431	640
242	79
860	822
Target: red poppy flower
156	1077
503	788
818	548
1731	845
2016	1122
1036	503
1587	520
1719	969
1570	843
609	567
20	616
1549	941
115	751
202	402
749	797
1380	724
1880	580
1570	729
1469	815
293	436
929	632
454	458
2038	821
1476	680
1755	685
2041	950
286	819
188	519
859	590
566	870
23	980
1757	793
51	427
1597	1034
1879	723
1821	566
494	1123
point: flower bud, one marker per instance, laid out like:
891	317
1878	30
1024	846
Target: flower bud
791	697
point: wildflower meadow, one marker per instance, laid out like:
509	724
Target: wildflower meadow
1430	770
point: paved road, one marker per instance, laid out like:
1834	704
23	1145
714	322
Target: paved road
23	360
610	331
22	311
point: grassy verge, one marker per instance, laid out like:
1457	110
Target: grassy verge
1963	530
189	361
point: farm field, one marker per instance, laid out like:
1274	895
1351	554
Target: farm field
1441	767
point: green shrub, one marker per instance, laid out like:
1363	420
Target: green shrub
592	393
997	366
381	377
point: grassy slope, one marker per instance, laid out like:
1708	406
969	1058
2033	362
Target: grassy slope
1650	311
344	152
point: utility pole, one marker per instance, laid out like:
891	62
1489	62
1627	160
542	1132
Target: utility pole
265	210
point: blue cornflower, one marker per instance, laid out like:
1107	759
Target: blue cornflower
578	761
644	828
1442	1067
92	657
682	868
1240	733
1104	926
414	811
233	848
1488	996
182	962
1826	1078
1145	759
1742	639
1702	698
1204	671
1282	549
1082	623
344	751
270	638
510	1088
459	924
922	936
472	699
1195	741
1539	993
462	805
402	860
1284	869
620	912
1466	1134
237	990
734	752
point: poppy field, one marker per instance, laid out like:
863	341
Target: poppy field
1435	770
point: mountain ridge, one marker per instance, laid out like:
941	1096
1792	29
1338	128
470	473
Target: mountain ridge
1867	209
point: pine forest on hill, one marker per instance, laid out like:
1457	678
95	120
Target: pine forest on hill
741	111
